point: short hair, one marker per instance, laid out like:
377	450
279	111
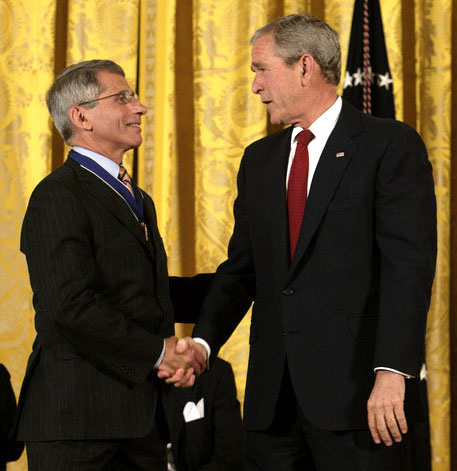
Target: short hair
76	84
295	35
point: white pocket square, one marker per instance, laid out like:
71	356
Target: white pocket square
194	411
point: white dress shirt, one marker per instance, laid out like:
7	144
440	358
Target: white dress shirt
321	129
107	164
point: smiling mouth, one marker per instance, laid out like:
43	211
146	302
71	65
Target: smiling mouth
134	124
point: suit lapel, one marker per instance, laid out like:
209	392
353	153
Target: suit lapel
151	219
275	193
334	159
110	199
161	270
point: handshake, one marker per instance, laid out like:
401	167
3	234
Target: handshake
182	362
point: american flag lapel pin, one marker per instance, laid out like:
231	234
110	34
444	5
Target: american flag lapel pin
340	154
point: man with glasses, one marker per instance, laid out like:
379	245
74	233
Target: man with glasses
91	399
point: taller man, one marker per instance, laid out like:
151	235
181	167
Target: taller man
341	286
90	398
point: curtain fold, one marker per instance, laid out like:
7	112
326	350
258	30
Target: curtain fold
26	72
157	82
227	117
433	85
190	62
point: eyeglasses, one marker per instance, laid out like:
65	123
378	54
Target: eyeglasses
124	96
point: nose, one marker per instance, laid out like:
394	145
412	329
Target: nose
256	85
142	108
139	107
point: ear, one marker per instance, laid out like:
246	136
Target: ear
307	66
80	118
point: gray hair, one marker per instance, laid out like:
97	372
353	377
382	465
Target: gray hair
296	35
76	84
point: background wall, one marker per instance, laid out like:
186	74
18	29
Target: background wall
190	61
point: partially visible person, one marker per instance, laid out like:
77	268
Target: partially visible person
206	430
91	399
10	449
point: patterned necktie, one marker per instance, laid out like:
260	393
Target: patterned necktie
124	177
298	188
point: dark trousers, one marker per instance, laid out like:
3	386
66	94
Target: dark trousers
139	454
292	443
147	453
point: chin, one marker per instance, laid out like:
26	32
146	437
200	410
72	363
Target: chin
276	121
137	143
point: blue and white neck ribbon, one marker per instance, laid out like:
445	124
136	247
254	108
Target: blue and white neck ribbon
135	204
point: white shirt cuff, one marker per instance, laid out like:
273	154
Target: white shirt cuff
207	348
395	371
159	361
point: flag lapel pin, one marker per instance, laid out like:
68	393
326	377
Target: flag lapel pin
340	154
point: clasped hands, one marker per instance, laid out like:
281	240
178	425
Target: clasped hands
182	362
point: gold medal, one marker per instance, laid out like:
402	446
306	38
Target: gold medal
145	228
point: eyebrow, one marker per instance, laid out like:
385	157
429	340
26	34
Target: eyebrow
119	91
256	65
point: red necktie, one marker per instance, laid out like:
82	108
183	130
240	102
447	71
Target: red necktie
298	188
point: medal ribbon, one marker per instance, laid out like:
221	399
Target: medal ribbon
135	204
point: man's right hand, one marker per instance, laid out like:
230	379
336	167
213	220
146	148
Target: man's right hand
182	361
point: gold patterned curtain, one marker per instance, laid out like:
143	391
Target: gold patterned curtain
189	60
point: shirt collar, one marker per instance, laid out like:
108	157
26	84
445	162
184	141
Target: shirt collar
109	165
323	126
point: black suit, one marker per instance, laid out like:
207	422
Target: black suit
102	310
357	292
214	442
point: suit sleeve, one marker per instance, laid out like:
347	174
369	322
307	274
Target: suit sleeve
70	299
187	295
406	238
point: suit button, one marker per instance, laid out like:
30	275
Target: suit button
288	292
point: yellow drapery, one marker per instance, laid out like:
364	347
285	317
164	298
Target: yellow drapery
190	61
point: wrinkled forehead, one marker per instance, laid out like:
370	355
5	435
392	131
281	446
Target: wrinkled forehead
112	82
264	50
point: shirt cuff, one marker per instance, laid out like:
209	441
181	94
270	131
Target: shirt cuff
407	376
159	361
207	348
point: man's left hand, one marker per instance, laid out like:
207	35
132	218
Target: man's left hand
386	415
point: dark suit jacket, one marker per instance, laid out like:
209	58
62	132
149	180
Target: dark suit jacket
357	292
214	442
187	295
100	292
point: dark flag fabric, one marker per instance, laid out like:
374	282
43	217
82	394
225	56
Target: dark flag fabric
368	83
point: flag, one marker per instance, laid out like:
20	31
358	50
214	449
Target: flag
368	83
